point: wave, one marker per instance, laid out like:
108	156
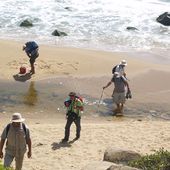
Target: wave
98	24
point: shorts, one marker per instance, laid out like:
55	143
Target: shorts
118	97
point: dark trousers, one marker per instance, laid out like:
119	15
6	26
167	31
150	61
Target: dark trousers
72	118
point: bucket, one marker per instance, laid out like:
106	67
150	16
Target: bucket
22	70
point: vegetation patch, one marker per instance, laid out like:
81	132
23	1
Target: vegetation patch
2	167
159	160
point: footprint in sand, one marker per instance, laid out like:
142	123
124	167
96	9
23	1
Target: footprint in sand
60	64
75	68
66	73
15	64
43	65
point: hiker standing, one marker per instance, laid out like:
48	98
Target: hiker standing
18	137
31	49
120	68
74	107
119	92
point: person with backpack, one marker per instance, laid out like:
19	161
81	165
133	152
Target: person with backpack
120	68
31	49
119	92
17	137
74	105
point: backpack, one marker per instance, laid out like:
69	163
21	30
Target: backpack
31	46
80	98
114	69
8	126
68	102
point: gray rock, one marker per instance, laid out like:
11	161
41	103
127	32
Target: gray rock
58	33
26	23
103	165
132	28
120	156
164	19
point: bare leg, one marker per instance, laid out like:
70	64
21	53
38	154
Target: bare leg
121	107
32	69
117	110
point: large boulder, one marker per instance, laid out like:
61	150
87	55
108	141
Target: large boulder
58	33
26	23
164	19
103	165
120	156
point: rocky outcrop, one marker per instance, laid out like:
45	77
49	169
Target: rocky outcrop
58	33
114	159
132	28
26	23
104	165
120	156
164	19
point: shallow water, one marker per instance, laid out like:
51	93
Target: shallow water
46	97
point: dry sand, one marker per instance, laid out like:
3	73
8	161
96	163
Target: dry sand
150	84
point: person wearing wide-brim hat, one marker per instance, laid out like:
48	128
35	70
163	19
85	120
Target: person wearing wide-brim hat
17	137
120	68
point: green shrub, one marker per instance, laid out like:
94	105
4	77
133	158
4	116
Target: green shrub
160	160
2	167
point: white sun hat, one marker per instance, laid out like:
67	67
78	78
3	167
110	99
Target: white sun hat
123	62
16	117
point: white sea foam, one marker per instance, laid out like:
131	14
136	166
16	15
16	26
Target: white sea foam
99	24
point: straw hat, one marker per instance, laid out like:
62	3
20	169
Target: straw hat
123	62
16	117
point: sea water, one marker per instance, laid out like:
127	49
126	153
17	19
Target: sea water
94	24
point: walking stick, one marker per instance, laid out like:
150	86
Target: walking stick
101	97
100	100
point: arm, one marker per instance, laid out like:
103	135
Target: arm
28	54
127	85
2	142
29	143
108	84
1	147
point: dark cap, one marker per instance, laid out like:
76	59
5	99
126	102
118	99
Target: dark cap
72	94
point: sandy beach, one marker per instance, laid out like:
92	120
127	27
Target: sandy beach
145	126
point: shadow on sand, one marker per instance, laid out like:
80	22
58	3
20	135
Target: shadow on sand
22	78
61	144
